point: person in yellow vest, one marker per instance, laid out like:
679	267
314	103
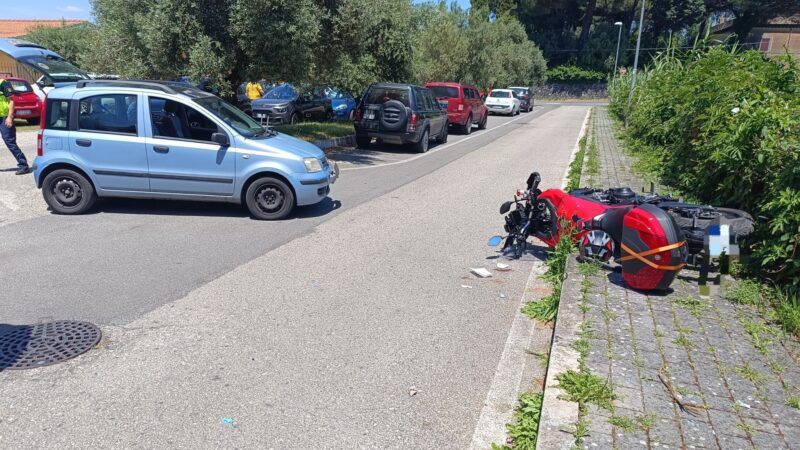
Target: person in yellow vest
7	130
254	90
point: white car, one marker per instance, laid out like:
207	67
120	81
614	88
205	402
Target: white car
503	101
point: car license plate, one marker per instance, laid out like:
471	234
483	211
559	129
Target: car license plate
23	112
443	105
260	116
370	115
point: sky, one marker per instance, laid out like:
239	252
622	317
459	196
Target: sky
73	9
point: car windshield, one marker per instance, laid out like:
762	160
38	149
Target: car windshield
59	70
520	91
232	116
282	92
500	94
444	91
19	86
380	95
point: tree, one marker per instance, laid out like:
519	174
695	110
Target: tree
442	45
71	41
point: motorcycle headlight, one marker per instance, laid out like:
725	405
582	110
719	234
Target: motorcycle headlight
341	107
312	165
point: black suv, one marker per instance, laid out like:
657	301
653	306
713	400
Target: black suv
400	114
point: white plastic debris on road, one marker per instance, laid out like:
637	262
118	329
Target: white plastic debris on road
481	272
503	267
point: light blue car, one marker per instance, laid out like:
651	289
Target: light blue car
167	140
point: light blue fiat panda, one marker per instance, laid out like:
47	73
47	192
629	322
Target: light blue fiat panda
168	140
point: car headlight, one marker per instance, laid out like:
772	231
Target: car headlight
280	109
341	107
312	165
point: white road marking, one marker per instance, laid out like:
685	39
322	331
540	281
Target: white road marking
438	148
498	408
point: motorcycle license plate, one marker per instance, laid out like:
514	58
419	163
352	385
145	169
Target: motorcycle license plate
23	112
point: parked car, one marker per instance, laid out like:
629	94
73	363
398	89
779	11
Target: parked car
503	101
288	104
463	104
42	68
400	114
26	103
167	140
525	95
342	102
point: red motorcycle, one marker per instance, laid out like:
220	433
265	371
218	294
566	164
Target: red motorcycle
650	236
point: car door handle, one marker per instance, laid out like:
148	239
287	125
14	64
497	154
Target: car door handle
161	149
83	142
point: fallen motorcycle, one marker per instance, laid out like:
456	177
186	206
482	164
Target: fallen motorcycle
650	236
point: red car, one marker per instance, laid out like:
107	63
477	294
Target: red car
463	104
26	103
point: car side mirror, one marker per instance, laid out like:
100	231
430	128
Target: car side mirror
221	139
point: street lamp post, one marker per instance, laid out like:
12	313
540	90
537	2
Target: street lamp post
616	60
635	62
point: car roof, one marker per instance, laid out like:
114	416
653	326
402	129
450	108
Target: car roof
396	85
128	86
501	90
449	84
519	87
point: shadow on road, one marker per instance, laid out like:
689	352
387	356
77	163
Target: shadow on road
13	342
200	209
375	154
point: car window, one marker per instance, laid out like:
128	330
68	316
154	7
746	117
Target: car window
500	94
380	95
109	113
282	92
174	120
433	105
420	100
231	115
19	86
57	115
469	93
444	91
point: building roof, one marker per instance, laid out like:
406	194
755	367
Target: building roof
777	22
16	28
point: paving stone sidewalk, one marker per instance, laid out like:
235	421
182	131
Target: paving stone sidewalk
690	371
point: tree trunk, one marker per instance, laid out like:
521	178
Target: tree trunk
586	23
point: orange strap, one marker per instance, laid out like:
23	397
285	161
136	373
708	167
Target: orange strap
641	256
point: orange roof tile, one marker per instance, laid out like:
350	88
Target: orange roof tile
16	28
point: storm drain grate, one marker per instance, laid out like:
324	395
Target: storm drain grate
43	344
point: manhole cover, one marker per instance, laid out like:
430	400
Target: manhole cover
42	344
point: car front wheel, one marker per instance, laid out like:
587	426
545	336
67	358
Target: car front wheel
269	198
68	192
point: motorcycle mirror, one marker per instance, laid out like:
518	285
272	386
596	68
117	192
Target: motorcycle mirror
533	180
494	241
505	207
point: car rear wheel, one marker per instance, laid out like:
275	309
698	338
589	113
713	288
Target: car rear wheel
467	129
68	192
269	198
443	135
423	144
482	124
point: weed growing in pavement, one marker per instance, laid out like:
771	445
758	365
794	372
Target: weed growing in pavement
684	342
589	268
748	373
581	431
576	167
624	423
745	292
523	433
793	402
760	333
592	156
691	304
546	309
747	428
683	390
585	388
646	421
542	357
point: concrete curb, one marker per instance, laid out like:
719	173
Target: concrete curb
560	416
344	141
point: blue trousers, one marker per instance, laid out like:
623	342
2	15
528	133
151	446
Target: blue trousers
10	138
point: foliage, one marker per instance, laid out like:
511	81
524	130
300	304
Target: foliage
442	47
722	126
584	388
67	41
313	131
574	74
525	429
546	308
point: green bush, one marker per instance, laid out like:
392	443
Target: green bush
724	127
575	75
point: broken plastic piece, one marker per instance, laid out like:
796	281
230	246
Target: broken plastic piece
481	272
503	267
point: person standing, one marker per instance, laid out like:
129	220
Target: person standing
7	129
254	90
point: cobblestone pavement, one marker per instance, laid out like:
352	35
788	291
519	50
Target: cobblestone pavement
689	371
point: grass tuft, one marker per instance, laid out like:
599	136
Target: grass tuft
317	131
584	387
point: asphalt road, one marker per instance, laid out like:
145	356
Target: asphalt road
354	327
130	256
